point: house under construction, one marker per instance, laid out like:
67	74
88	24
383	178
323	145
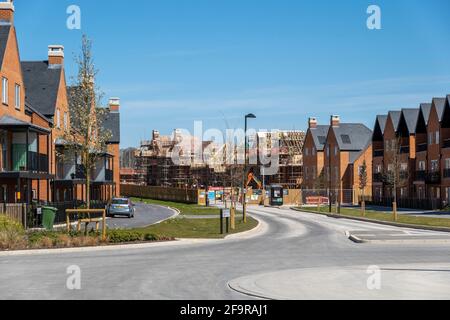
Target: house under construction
290	157
156	159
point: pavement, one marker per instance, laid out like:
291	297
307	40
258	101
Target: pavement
291	255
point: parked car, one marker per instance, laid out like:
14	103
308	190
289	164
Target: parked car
121	207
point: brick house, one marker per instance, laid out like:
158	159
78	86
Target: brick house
25	141
347	147
378	156
46	88
313	155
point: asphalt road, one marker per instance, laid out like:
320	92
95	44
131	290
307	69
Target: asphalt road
325	265
144	216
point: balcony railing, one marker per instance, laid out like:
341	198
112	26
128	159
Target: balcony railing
446	173
80	172
434	177
422	147
37	162
446	144
378	153
378	177
108	175
404	149
421	175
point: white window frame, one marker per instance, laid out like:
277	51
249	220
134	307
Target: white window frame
437	137
58	119
18	96
5	85
66	120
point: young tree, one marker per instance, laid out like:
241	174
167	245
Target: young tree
363	185
395	176
86	138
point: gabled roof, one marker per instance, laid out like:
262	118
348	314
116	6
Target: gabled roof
411	117
395	118
352	136
4	35
382	120
42	85
319	135
440	106
426	110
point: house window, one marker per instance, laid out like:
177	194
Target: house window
17	97
434	165
335	151
66	121
306	152
437	137
447	164
430	138
404	167
5	91
313	151
378	168
58	118
422	166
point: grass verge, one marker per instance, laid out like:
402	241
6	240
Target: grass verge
185	209
197	228
385	216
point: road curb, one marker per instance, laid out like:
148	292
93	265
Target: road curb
386	223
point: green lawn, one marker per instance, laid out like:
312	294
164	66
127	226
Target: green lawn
197	228
185	209
385	216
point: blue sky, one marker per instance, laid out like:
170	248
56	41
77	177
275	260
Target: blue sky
173	62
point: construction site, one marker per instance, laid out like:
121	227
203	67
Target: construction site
155	165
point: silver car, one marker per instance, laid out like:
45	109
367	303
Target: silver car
121	207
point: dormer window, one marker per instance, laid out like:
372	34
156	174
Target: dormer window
5	91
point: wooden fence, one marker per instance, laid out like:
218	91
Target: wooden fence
160	193
16	212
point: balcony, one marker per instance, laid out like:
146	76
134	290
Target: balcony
378	177
109	175
421	175
433	177
378	153
446	144
80	172
404	149
446	173
422	147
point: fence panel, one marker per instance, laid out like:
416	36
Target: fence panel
15	211
160	193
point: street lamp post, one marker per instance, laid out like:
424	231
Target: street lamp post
244	187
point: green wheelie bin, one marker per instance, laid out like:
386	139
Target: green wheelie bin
48	217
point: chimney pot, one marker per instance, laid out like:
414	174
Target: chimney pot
55	55
114	104
335	121
312	123
7	12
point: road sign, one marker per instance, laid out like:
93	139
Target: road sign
226	213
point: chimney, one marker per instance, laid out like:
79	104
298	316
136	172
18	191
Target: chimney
312	123
7	12
56	55
114	104
335	121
